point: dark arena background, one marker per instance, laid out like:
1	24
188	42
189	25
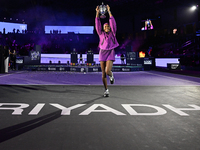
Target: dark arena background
51	96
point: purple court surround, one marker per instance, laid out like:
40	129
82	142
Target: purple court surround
138	78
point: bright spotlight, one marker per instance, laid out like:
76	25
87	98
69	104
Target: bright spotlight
193	8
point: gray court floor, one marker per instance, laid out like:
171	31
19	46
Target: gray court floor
61	110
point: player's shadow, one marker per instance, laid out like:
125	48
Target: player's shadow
93	100
13	131
27	89
16	130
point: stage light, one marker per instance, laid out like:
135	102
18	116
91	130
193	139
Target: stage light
141	54
174	31
193	8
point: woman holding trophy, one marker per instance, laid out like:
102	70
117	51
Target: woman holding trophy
107	43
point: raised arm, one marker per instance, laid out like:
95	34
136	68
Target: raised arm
112	21
108	9
98	22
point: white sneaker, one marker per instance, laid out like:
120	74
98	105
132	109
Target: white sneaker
112	79
106	93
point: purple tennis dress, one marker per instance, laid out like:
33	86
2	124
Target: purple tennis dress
105	55
107	41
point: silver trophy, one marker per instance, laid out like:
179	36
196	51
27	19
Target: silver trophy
103	10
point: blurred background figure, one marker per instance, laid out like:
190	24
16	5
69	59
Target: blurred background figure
6	58
2	67
13	60
122	59
148	25
80	59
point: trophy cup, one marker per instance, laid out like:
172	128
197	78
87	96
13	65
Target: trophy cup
103	10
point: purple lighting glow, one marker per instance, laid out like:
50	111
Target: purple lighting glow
66	29
162	62
10	26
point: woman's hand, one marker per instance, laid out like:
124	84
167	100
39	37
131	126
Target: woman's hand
97	12
97	9
108	8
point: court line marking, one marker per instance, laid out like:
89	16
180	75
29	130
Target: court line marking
175	74
12	74
5	75
173	78
102	85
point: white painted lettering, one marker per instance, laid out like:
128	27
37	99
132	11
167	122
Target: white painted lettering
36	109
131	111
180	110
106	109
16	110
66	111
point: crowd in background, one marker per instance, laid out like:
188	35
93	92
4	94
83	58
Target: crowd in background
171	45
